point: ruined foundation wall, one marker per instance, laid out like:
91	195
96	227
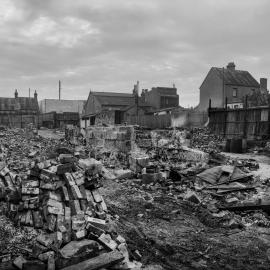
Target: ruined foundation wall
120	138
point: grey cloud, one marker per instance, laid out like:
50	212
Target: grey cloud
155	41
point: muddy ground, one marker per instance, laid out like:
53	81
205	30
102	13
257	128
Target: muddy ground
180	235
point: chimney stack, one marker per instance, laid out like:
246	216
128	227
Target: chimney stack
263	84
231	66
35	94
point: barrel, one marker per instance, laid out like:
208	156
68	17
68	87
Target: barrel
236	146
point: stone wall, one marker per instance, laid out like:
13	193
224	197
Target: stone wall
119	138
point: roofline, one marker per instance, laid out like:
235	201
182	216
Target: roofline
206	76
63	99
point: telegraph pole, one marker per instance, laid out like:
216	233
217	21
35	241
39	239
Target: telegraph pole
59	90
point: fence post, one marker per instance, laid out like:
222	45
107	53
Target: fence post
225	118
268	116
245	119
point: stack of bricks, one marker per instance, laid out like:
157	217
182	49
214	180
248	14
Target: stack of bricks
56	196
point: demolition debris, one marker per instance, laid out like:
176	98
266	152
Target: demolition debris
52	191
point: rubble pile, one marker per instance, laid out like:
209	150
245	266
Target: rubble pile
203	139
59	198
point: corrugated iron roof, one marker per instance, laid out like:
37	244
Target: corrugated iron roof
237	77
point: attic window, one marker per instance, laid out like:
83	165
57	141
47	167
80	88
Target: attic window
235	92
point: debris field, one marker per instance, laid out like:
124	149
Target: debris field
130	198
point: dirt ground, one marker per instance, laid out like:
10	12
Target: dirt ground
176	234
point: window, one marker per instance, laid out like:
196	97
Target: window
235	92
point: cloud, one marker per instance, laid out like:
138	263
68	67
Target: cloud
108	45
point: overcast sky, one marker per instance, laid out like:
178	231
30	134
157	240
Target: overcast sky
107	45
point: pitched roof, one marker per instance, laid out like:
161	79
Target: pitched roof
236	77
19	103
114	99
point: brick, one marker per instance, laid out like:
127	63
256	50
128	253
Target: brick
78	222
54	196
37	219
67	213
69	179
29	218
9	181
32	191
76	193
66	158
4	171
96	195
75	207
78	235
61	223
51	222
83	192
65	193
48	185
46	174
59	238
83	204
100	223
106	240
79	178
64	168
95	230
120	239
30	183
55	210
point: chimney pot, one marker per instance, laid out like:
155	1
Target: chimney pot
263	84
231	66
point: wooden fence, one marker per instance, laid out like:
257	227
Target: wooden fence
151	121
249	123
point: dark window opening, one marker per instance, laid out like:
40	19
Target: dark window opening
235	92
92	120
118	117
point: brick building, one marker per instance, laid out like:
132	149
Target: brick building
161	97
18	111
230	83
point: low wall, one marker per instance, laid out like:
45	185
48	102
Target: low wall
118	138
18	121
189	119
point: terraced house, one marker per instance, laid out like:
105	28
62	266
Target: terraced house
231	84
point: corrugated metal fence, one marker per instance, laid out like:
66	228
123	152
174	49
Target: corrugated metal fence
18	121
250	123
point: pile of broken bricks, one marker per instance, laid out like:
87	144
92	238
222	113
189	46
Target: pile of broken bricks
61	199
